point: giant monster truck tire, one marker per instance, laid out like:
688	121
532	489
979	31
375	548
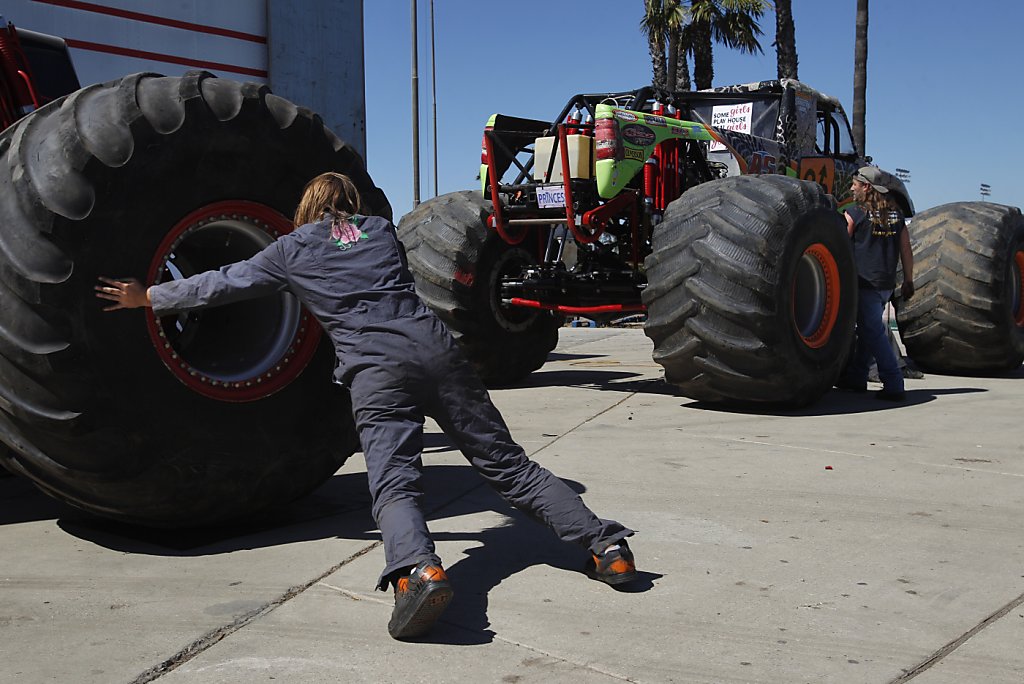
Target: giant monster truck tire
182	421
458	263
751	294
967	316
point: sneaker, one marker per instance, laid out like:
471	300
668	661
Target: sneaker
420	598
614	566
889	395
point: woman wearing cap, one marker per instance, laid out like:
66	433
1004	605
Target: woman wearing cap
879	231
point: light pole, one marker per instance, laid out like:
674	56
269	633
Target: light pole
415	113
433	93
986	190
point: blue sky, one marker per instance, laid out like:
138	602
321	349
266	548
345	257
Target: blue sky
944	98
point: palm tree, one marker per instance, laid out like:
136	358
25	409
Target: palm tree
732	23
662	24
785	39
860	75
678	47
655	26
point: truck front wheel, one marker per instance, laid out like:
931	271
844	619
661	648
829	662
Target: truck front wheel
751	292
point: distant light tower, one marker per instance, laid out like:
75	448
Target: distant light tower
986	190
903	175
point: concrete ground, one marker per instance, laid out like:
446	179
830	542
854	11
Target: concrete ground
853	541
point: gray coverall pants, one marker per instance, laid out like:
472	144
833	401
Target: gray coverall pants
428	375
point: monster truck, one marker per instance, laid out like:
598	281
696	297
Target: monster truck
181	420
710	211
713	212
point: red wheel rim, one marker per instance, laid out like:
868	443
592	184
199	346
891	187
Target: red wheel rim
240	352
816	295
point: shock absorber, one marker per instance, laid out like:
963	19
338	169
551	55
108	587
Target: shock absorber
677	144
670	182
658	197
651	189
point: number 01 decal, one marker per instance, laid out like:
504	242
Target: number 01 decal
821	170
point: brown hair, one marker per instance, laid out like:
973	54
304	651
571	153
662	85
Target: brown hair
882	210
328	193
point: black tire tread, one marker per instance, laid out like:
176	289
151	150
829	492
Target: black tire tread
446	236
959	321
712	294
48	163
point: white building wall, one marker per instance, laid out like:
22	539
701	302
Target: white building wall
315	46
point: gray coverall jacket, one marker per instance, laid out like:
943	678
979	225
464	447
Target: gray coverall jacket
400	363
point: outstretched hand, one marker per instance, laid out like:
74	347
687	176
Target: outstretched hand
126	293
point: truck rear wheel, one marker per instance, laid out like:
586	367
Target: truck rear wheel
458	263
185	420
967	316
751	294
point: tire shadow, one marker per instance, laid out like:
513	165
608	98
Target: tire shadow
611	380
833	402
840	402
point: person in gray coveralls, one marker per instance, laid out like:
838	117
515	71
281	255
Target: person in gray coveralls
400	364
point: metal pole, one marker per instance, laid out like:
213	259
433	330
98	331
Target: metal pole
415	114
433	93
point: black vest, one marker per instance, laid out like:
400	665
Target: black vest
876	248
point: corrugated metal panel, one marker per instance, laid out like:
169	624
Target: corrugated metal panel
310	52
316	59
110	39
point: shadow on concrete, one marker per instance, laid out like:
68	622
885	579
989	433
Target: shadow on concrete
1015	373
560	356
840	402
341	508
22	502
505	551
834	402
338	508
600	379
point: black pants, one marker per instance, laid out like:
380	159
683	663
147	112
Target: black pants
411	367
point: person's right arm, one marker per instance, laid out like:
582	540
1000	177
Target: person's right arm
258	276
907	259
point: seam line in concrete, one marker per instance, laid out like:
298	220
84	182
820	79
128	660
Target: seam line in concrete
214	636
934	658
584	422
779	445
969	469
563	659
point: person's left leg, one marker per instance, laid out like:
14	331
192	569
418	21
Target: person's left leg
464	410
390	428
873	334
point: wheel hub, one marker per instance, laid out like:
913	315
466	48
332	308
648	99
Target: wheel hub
242	351
816	292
